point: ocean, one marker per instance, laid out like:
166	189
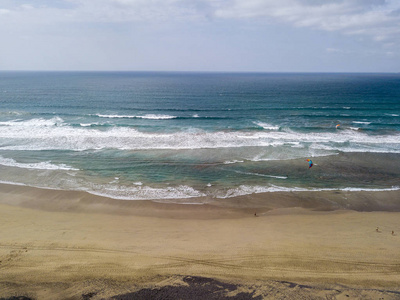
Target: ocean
164	136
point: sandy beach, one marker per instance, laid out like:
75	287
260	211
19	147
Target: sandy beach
321	245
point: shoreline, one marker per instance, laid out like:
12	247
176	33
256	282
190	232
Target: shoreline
205	207
66	244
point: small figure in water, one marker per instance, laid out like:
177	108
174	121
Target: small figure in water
310	163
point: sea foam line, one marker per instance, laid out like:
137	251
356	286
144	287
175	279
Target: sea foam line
267	126
187	192
362	122
147	116
9	162
261	175
247	190
145	192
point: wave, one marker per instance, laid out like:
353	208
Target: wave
9	162
40	122
54	134
362	122
91	124
267	126
140	192
147	116
247	190
13	113
115	116
235	161
12	183
159	117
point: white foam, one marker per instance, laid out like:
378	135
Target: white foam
247	190
9	162
140	192
394	188
145	192
148	116
267	126
54	134
361	122
157	117
12	183
261	175
56	121
116	116
235	161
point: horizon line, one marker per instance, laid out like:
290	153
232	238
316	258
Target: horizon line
206	72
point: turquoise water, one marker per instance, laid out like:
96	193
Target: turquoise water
133	135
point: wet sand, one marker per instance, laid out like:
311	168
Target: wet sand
73	245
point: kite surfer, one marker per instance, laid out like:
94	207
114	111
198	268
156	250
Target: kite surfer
310	163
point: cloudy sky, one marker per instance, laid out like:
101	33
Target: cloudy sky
201	35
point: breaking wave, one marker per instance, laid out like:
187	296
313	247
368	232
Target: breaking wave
9	162
54	134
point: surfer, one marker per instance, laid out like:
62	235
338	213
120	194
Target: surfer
310	163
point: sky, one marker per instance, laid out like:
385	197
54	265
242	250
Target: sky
201	35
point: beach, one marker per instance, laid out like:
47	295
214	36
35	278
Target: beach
309	245
192	185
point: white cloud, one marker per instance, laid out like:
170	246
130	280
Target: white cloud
132	10
345	16
352	17
4	11
154	33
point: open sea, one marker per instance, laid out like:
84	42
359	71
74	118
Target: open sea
165	136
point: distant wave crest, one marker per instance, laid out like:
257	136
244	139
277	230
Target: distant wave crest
267	126
147	116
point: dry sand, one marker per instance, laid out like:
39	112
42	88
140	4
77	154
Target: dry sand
73	245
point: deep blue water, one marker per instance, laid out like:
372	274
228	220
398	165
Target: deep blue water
135	135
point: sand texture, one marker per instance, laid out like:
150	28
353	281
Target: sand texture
72	245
